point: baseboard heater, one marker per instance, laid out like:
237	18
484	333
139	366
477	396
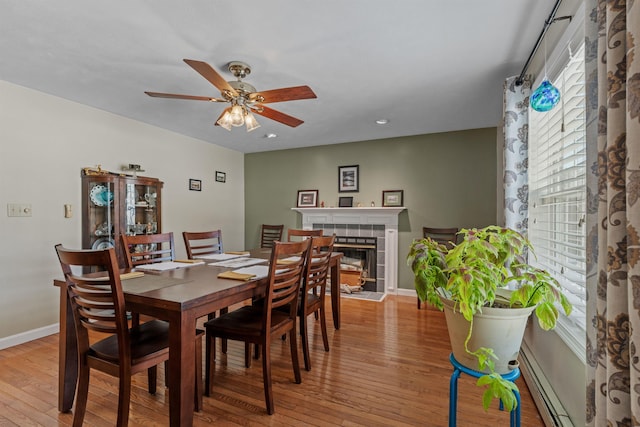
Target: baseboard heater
546	400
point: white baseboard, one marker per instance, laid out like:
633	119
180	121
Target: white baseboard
551	410
406	292
27	336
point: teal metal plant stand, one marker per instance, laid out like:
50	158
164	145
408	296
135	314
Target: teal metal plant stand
514	417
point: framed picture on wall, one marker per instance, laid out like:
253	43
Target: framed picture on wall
307	199
392	198
195	185
348	179
221	176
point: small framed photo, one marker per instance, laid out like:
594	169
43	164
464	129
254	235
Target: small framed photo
308	198
195	185
345	202
348	179
221	176
392	198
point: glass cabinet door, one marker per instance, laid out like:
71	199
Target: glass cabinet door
101	214
141	208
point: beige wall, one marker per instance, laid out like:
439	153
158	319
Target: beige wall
45	141
448	180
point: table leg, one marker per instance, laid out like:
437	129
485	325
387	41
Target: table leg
335	293
182	337
67	353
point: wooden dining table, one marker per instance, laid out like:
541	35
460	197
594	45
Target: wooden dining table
179	296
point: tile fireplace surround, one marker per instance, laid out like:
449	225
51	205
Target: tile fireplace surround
364	222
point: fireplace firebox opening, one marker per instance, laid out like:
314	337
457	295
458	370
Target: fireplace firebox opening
358	266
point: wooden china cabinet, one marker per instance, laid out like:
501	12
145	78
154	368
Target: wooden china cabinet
115	204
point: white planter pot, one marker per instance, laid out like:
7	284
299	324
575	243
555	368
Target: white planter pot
501	329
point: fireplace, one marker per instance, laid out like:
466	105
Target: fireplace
360	256
373	224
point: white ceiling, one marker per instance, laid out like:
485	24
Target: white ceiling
425	65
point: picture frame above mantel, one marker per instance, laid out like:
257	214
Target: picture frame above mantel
348	179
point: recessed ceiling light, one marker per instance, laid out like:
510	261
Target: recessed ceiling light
270	135
382	121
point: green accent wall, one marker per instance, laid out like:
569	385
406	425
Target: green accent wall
449	180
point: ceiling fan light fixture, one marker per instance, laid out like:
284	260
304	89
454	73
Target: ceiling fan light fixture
224	120
251	122
237	115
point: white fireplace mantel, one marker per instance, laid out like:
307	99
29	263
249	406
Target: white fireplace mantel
387	216
365	215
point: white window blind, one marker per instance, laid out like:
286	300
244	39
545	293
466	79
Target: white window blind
557	192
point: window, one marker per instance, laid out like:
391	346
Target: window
557	193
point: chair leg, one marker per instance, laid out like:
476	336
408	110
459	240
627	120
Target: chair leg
152	379
211	351
247	355
323	328
81	395
166	373
294	356
315	292
210	341
135	319
224	341
266	378
305	341
124	398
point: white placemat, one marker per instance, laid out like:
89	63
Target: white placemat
219	257
167	265
239	262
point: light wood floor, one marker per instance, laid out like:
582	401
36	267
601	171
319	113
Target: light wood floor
388	366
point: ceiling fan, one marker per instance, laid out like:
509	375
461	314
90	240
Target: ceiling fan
243	97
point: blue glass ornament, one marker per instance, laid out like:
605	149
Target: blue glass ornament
545	97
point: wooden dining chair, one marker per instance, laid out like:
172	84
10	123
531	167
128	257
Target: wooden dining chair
444	236
294	234
200	243
270	234
313	290
148	248
145	249
98	305
258	323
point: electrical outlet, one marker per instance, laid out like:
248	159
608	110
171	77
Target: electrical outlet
19	209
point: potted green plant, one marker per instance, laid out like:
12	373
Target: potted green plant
475	277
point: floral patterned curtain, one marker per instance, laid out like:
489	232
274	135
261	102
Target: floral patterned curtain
613	322
516	156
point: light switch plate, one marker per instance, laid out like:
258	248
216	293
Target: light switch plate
19	209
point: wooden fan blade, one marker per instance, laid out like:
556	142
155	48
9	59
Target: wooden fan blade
178	96
284	94
278	116
212	75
